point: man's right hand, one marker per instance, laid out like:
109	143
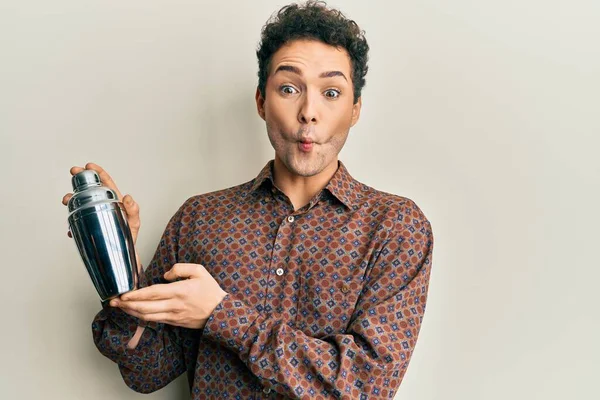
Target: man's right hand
132	209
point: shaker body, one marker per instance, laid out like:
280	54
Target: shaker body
104	241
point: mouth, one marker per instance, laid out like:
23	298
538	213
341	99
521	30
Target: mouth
305	145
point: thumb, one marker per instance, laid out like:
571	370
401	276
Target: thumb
185	271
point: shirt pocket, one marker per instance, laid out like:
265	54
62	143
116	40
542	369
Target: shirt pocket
327	299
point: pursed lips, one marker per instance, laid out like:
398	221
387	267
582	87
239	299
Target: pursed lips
305	144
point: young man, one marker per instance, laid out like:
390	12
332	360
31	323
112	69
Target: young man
302	283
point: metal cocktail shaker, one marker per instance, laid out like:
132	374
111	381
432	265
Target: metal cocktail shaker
98	223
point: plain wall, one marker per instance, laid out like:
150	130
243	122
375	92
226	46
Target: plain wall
485	113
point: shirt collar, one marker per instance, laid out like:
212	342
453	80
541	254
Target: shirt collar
342	185
265	174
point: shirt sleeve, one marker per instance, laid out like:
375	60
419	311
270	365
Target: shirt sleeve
368	360
158	358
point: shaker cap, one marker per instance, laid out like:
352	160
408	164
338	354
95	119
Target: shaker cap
89	191
85	179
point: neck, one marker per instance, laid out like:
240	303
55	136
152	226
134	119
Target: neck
301	189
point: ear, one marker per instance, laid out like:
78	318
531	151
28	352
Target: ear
260	103
356	111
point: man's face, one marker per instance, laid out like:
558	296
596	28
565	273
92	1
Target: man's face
308	107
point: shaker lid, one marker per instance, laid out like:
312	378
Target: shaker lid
85	179
89	191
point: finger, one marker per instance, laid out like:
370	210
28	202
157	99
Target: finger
148	307
154	292
66	198
133	216
165	318
138	261
185	271
133	212
104	178
75	170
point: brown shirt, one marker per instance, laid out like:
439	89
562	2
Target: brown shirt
323	302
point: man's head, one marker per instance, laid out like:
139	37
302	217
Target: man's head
312	66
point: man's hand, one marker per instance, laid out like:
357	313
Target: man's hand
187	303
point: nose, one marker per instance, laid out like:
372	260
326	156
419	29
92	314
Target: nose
308	109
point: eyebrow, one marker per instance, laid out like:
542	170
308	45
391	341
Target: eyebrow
297	71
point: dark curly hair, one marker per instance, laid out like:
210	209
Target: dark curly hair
313	20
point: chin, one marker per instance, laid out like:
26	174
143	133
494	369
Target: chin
306	167
305	171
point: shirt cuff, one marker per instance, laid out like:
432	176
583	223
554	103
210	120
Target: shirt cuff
233	324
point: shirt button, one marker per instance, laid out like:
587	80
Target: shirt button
291	219
267	390
279	271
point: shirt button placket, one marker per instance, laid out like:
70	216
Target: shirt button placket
276	285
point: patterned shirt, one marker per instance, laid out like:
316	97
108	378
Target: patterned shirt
323	302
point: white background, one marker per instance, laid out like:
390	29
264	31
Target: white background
485	113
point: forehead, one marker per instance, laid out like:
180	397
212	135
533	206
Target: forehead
312	57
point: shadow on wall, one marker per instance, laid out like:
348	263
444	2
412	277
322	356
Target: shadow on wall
232	137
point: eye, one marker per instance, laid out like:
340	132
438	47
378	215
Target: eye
287	89
332	93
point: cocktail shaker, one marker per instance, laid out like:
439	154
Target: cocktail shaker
98	224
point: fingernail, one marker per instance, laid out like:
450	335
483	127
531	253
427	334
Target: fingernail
114	303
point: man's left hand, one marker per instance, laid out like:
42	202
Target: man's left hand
187	303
